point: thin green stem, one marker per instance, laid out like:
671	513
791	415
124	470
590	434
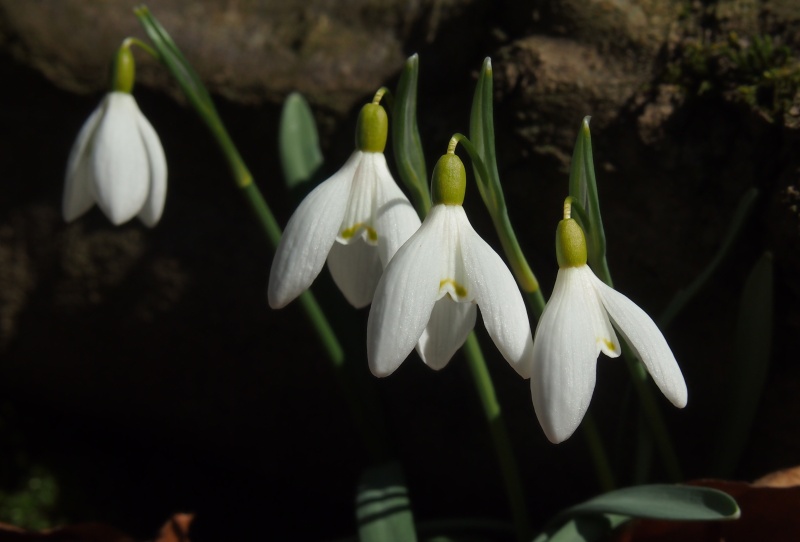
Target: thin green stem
130	40
602	467
372	430
652	412
492	194
499	432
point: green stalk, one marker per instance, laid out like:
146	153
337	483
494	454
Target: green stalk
372	432
583	189
499	432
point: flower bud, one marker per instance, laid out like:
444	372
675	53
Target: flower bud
449	181
372	128
570	244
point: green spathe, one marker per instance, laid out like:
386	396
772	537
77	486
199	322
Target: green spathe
449	181
570	244
372	128
123	72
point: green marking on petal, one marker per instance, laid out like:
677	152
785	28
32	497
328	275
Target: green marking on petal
453	287
372	235
611	346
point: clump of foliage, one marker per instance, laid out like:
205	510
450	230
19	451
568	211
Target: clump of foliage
757	71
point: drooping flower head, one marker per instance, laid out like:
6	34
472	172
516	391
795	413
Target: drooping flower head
429	293
117	160
576	325
357	219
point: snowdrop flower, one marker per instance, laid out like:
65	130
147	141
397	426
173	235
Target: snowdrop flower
576	325
117	160
430	291
357	219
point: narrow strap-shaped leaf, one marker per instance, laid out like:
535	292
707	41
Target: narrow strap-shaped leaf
593	519
748	370
584	529
174	60
682	298
583	187
659	501
383	509
481	134
298	141
406	140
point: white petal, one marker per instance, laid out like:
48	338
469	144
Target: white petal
395	217
499	299
308	236
448	328
647	341
565	352
120	167
405	297
356	270
77	192
154	205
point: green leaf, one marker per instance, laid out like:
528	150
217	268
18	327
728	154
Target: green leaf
481	134
174	60
583	188
298	141
383	509
406	140
584	529
484	167
748	371
593	519
682	298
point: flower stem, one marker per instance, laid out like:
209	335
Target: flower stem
368	420
655	420
499	432
602	467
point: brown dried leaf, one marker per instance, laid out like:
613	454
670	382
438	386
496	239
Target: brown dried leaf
176	529
83	532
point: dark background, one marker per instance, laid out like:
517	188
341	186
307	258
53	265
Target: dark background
143	371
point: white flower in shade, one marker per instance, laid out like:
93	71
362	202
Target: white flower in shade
429	293
118	163
576	325
357	219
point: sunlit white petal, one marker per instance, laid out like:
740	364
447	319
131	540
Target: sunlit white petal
565	349
356	269
647	341
395	217
496	293
309	235
153	207
447	329
405	297
119	165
